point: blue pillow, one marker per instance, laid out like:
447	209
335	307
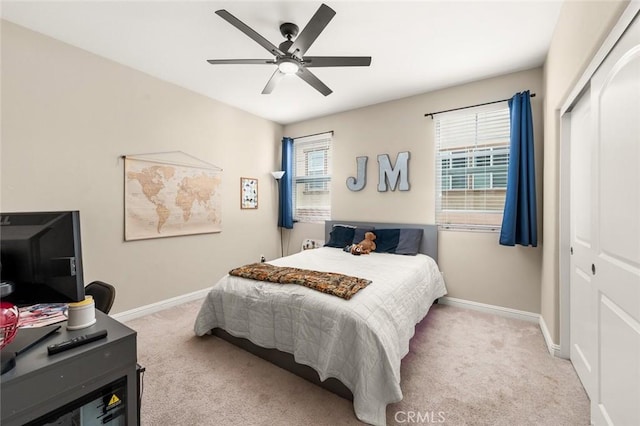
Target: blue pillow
386	240
409	241
358	235
341	236
398	241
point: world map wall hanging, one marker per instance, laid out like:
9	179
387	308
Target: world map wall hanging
170	194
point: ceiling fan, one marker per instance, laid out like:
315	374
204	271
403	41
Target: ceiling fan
289	55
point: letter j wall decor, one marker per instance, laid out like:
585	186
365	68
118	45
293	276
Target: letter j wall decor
248	193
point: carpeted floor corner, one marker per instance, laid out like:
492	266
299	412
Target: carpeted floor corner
464	368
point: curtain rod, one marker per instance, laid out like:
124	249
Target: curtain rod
431	114
315	134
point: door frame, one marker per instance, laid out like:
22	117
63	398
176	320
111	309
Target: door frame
627	17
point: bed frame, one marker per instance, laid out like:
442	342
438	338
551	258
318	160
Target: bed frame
428	246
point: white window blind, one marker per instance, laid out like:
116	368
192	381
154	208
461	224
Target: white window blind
312	178
472	158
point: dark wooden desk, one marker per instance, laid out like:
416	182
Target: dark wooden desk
40	383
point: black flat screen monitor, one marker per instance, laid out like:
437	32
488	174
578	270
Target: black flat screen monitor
40	252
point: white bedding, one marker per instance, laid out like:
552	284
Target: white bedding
359	341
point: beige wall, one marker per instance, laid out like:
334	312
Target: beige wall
67	117
474	265
581	29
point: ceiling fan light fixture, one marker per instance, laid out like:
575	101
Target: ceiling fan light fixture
288	66
290	55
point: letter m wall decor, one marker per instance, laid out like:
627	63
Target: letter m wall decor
388	176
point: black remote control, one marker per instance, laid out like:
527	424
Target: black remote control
76	341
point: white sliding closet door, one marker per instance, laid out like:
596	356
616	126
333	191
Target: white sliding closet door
615	90
605	235
583	301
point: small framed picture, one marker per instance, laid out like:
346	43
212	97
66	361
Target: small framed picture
248	193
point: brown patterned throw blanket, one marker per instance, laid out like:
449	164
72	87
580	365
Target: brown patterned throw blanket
333	283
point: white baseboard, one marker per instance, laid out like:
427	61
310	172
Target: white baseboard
492	309
554	349
159	306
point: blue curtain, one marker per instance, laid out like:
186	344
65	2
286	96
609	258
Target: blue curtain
285	209
519	223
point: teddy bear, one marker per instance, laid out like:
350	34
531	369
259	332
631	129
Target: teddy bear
365	246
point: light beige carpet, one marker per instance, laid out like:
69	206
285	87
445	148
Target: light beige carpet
464	368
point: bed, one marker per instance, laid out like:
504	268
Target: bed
352	347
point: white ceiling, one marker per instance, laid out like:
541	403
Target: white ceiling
416	46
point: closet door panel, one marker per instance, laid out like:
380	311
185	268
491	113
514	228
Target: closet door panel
619	156
619	392
583	349
615	89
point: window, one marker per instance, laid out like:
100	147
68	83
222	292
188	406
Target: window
472	158
312	178
316	165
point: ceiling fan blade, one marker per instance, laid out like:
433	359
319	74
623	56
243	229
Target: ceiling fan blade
273	82
337	61
313	81
249	32
240	61
313	29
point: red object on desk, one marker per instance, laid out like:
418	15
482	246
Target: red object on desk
9	316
